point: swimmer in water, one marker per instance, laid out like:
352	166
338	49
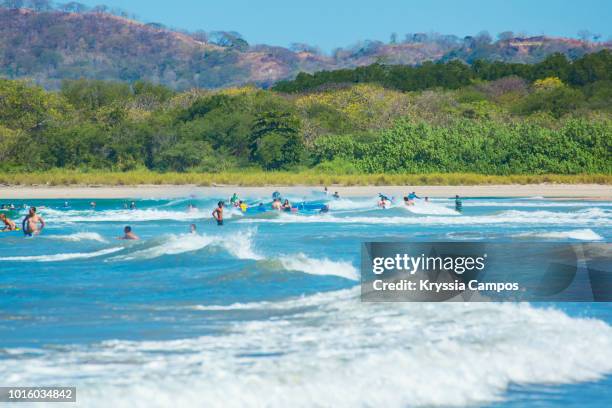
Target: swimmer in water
128	234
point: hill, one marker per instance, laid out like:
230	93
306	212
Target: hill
50	46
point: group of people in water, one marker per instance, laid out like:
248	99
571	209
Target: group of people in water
33	223
409	200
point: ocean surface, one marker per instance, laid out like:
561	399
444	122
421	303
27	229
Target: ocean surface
265	310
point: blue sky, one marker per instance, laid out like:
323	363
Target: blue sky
335	23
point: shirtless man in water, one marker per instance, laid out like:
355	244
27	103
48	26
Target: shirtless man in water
9	225
31	221
218	213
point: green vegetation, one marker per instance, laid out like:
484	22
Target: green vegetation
554	120
255	177
454	74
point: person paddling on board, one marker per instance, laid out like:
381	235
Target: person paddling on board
30	223
9	225
218	213
458	204
234	200
128	234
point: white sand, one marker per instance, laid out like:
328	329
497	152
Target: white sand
585	191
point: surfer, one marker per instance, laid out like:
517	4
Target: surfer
128	234
234	199
336	195
218	213
30	223
192	229
458	204
9	225
132	205
325	191
411	198
92	205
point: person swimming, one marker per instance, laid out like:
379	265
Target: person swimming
128	234
30	222
218	213
9	225
458	204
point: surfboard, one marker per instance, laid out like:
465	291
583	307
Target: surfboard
6	230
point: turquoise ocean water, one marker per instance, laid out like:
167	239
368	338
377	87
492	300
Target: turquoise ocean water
265	310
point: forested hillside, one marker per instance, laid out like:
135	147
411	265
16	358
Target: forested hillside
72	41
553	117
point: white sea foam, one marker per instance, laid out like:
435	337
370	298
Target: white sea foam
591	216
78	236
332	350
325	266
62	256
169	245
578	234
125	215
422	207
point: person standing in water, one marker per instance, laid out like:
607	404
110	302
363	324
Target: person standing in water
128	234
192	229
218	213
30	223
458	204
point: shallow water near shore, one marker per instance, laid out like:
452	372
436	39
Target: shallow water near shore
265	310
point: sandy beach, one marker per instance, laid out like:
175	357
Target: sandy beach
557	191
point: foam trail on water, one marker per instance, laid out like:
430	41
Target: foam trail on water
62	257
